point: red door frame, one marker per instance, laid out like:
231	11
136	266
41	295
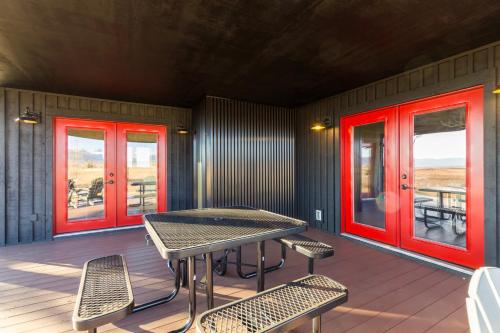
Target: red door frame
121	172
472	99
61	224
115	163
388	115
473	254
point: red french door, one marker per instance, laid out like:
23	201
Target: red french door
107	174
369	184
141	171
441	175
412	176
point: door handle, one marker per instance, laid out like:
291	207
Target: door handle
110	182
405	186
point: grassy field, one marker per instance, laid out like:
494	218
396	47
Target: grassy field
439	177
84	174
428	177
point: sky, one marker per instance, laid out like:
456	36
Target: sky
440	145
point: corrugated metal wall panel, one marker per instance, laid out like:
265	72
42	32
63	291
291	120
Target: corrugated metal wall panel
26	156
249	154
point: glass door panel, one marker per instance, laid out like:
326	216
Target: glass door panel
85	162
84	169
141	171
369	180
441	176
368	172
439	173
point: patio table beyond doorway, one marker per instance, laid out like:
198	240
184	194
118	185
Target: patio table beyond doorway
186	234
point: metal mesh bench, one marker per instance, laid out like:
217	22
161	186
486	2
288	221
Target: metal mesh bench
311	248
105	293
278	309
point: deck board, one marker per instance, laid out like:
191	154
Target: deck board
39	281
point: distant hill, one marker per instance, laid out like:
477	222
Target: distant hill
83	156
440	163
433	162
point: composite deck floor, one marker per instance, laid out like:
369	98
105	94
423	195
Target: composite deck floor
387	293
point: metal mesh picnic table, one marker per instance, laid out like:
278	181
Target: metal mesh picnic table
188	233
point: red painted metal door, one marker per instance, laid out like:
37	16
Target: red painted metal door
441	171
412	176
141	171
107	174
84	159
369	175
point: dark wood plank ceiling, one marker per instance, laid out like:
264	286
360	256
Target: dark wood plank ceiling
284	52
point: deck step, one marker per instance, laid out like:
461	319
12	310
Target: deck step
309	247
276	310
105	293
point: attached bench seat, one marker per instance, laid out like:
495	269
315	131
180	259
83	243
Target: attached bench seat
278	309
105	293
311	248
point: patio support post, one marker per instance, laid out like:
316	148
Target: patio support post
316	325
261	252
209	282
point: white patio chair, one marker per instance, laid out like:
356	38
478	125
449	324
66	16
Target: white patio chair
483	303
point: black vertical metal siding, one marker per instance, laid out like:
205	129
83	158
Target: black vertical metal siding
318	163
26	156
248	154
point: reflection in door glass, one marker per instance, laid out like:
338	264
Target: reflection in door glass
85	174
368	164
142	173
439	157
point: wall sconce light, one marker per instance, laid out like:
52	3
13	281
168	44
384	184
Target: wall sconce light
181	129
321	125
496	90
29	117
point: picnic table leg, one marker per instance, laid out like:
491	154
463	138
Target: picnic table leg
171	296
316	325
261	252
441	204
239	264
221	264
209	282
183	270
310	265
191	263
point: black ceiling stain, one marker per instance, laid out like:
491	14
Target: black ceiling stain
286	52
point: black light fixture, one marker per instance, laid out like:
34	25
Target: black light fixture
321	125
181	129
29	117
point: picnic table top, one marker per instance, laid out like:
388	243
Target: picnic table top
143	182
185	233
444	189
